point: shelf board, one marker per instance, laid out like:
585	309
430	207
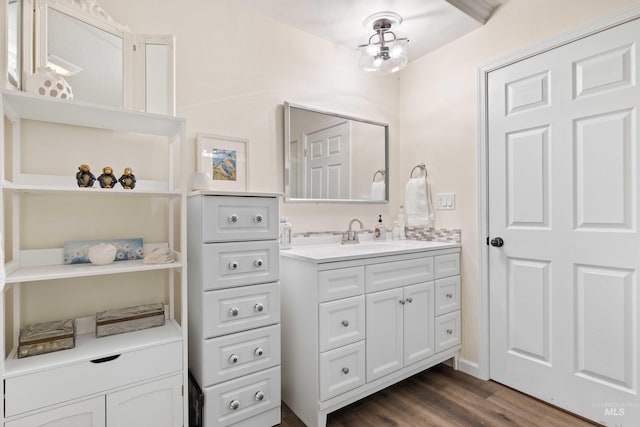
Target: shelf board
34	107
42	189
88	347
64	271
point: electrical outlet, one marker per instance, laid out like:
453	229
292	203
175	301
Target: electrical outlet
445	201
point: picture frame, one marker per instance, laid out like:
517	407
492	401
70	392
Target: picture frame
225	159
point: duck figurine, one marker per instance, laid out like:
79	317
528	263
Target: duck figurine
107	179
128	179
84	176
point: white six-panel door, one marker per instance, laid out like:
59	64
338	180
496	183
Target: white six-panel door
563	195
327	162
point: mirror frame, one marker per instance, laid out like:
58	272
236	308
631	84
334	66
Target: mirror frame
287	159
134	83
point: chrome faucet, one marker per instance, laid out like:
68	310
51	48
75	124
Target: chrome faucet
351	236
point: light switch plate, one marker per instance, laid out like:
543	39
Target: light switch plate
445	201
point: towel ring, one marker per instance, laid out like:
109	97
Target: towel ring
418	166
379	171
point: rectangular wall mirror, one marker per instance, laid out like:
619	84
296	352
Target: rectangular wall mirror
330	157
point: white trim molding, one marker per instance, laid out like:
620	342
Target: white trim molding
483	368
480	10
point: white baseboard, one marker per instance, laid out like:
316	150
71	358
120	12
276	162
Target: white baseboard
469	367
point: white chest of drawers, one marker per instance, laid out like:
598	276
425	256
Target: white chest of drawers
356	324
234	290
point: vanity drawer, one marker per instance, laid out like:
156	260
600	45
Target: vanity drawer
236	400
228	218
447	331
341	370
226	265
341	322
447	265
238	309
340	283
234	355
388	275
447	295
50	386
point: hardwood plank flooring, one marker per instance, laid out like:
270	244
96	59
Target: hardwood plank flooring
443	397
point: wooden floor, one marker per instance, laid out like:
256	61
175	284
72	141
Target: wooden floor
443	397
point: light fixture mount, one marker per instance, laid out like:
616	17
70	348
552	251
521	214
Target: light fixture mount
385	51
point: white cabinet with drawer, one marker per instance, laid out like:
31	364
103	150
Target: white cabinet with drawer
353	325
234	300
44	208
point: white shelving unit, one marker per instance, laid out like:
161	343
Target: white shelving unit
24	264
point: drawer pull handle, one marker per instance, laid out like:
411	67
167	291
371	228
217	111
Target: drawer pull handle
233	358
258	218
233	218
345	371
449	296
106	359
233	312
233	265
258	352
401	301
258	308
234	405
258	263
409	300
259	396
345	323
450	331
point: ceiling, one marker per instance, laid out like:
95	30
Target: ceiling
429	24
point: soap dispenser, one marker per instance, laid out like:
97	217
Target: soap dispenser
285	233
379	232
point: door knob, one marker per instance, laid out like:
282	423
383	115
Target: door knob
497	242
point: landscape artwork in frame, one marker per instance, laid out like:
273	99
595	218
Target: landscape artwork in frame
225	160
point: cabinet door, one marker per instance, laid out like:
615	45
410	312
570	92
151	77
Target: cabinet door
157	404
418	322
384	326
88	413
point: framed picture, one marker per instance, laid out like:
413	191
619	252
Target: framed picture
225	159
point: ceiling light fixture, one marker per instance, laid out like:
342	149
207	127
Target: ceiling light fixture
386	50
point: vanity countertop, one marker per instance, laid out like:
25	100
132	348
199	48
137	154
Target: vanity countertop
331	252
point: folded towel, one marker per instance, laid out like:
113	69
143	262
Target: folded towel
418	203
377	190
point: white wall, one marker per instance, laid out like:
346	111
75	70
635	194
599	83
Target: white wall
438	116
234	71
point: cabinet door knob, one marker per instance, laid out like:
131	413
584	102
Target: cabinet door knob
345	371
258	352
233	265
258	218
233	218
258	308
409	300
449	295
259	396
450	331
401	301
345	323
233	358
258	263
235	404
233	312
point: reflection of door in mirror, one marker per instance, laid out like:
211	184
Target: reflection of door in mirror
333	157
327	162
89	58
14	43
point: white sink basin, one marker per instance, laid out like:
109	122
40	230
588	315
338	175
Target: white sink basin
329	252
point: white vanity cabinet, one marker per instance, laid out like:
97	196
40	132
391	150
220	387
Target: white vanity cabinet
113	380
355	322
234	307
